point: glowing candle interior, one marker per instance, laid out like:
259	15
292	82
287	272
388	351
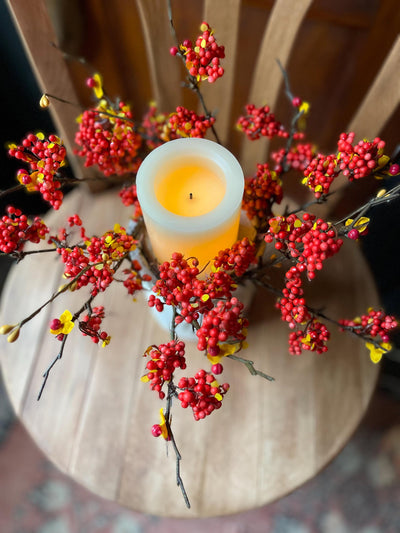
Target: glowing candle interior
191	190
197	226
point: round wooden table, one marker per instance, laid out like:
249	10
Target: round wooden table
95	415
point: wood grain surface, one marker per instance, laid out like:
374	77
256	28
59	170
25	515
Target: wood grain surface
95	415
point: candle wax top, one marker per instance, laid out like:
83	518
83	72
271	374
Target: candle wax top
190	190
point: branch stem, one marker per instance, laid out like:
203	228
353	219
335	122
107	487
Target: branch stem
250	367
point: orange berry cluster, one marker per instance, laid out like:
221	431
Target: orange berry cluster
45	157
237	258
261	191
16	230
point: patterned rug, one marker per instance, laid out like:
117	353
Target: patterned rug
359	492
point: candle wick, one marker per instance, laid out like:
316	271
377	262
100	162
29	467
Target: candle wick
191	196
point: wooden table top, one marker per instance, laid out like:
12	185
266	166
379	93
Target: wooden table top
95	415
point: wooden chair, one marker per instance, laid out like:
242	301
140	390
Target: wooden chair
94	417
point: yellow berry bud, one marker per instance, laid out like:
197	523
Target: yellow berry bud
6	328
44	101
62	287
381	193
13	335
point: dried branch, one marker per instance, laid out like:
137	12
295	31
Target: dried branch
250	367
171	394
86	305
47	373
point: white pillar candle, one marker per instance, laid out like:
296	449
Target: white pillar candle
190	191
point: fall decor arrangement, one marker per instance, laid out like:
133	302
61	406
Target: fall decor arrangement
183	244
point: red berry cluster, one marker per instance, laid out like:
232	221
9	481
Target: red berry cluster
218	285
237	258
309	241
186	123
91	323
320	174
203	60
129	197
287	231
360	160
45	157
179	285
292	304
223	322
16	230
313	338
260	192
374	324
353	161
297	158
394	169
176	285
164	359
133	281
202	393
74	220
110	142
260	122
319	244
95	263
156	128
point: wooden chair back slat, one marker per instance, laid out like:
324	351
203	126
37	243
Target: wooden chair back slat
219	96
36	30
279	37
146	70
382	98
164	69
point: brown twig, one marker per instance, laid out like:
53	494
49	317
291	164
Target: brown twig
250	367
171	394
16	188
61	351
